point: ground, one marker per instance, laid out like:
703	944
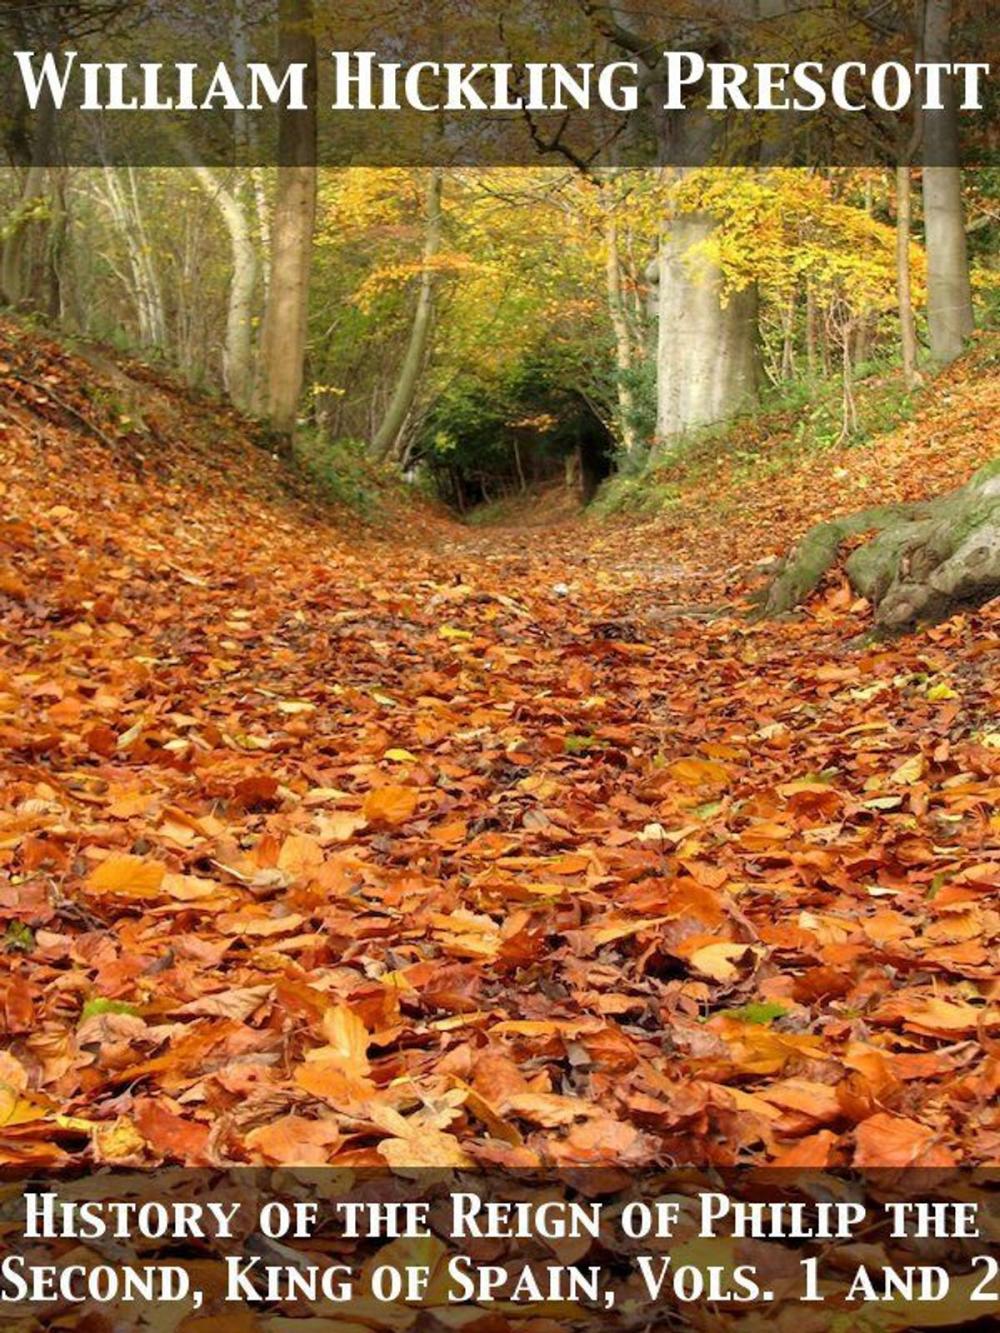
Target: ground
423	843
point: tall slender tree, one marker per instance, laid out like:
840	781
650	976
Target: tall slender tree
293	225
390	428
949	292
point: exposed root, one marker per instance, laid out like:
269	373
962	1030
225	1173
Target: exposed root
922	561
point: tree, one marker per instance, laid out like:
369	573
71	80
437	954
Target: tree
949	293
904	277
707	375
283	345
921	560
707	344
388	433
625	352
120	194
238	369
30	240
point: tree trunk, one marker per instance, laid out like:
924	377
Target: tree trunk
283	345
950	317
387	435
120	193
907	324
237	359
812	321
28	217
788	337
25	235
707	356
922	562
623	338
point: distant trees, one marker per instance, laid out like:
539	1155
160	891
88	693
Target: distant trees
31	238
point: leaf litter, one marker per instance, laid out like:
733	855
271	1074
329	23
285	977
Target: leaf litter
321	845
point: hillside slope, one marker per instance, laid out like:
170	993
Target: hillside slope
761	488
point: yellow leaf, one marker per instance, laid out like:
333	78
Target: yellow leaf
17	1108
909	772
401	756
699	773
117	1141
623	929
718	961
128	875
347	1041
941	691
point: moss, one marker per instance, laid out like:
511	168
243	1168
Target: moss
818	551
904	568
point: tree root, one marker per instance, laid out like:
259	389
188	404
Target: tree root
922	561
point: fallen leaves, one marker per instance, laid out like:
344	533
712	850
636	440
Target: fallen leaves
293	873
390	805
891	1140
129	876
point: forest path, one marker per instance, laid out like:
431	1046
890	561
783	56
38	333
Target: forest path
454	845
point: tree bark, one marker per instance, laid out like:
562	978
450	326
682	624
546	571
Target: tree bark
121	196
623	338
237	358
922	561
707	354
387	435
904	292
950	319
293	225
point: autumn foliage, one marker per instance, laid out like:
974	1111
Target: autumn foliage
431	845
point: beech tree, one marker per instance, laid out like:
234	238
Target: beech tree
707	370
387	436
707	348
921	560
949	293
238	367
283	344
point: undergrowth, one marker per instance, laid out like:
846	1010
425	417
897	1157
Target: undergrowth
796	419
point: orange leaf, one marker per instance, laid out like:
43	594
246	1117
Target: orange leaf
300	855
130	876
295	1141
699	773
390	805
893	1140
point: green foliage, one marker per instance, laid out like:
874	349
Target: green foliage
528	408
581	744
340	469
18	938
641	382
98	1005
759	1012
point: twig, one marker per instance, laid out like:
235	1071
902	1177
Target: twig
68	408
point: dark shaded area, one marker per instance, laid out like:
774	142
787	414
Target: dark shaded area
488	443
596	451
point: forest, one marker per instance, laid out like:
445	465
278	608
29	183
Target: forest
498	663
